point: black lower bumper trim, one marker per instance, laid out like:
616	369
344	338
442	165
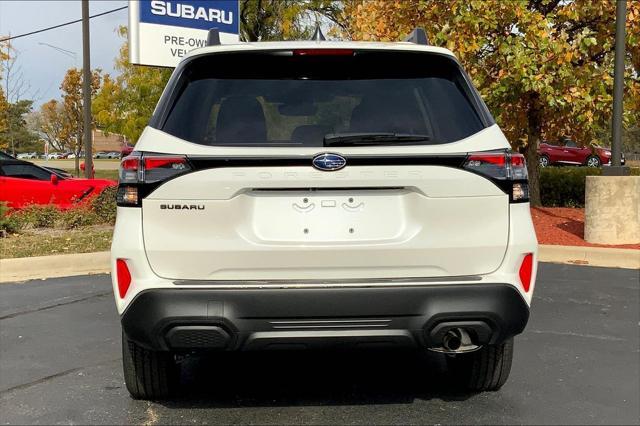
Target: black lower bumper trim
246	319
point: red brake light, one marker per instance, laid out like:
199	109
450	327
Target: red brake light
130	163
166	162
526	269
162	167
475	160
123	277
518	160
129	167
323	52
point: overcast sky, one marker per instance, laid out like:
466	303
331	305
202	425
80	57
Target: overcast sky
43	67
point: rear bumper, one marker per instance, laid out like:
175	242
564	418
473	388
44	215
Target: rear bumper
284	318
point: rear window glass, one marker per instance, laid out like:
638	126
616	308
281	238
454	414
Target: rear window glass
287	99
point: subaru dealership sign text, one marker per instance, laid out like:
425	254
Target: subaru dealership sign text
162	32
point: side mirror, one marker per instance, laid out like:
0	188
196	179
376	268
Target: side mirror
54	179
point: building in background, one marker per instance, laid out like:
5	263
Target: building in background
104	142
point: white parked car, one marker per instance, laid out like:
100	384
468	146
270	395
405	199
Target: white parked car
107	155
320	194
27	155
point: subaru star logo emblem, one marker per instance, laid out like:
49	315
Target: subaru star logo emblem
329	162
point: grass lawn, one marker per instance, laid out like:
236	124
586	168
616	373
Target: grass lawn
44	242
101	174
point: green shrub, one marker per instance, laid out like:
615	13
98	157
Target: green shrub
78	217
565	186
36	216
7	223
104	205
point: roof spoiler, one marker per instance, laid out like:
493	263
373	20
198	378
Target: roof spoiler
213	38
417	36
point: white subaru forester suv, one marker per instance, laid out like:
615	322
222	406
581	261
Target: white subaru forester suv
321	194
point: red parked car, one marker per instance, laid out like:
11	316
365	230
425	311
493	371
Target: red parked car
23	183
570	153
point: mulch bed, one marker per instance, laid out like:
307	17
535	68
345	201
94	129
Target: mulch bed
564	226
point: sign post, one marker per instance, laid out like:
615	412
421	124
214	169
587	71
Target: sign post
162	32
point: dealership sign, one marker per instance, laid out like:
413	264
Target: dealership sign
162	32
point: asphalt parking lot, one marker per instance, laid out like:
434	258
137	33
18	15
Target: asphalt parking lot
577	363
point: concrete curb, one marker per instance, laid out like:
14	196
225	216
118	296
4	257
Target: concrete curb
591	256
66	265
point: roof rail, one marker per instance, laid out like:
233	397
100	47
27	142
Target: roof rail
317	35
417	36
213	39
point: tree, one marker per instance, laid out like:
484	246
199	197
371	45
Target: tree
50	124
264	20
16	136
14	132
72	103
544	67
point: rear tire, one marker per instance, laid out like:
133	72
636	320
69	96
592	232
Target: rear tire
148	374
544	161
486	369
593	161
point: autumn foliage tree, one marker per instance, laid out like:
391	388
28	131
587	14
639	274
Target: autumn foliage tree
264	20
51	122
544	67
72	106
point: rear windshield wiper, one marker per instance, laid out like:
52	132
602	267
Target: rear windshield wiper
363	139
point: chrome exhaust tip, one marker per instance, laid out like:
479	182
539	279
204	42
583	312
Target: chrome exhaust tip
456	341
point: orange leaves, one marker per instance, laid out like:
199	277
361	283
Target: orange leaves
562	56
379	20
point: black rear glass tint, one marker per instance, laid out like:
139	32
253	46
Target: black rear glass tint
284	99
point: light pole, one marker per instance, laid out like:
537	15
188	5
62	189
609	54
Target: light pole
616	168
86	91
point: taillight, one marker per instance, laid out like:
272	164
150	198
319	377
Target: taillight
140	173
123	277
129	167
526	270
508	170
160	168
